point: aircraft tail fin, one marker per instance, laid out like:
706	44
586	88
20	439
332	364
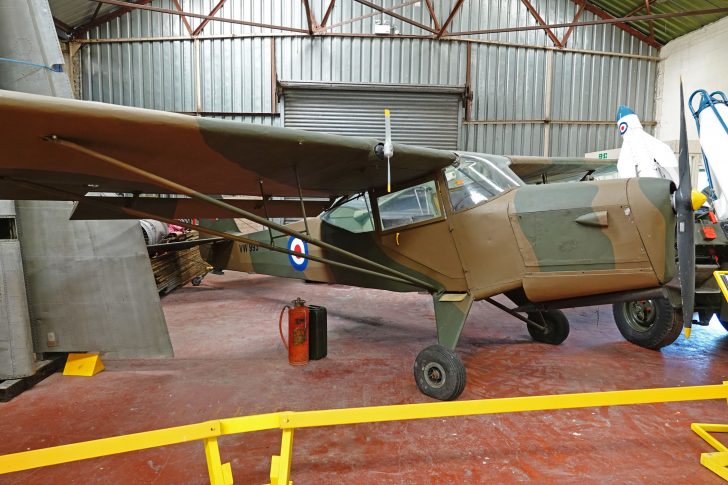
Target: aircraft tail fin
222	225
642	154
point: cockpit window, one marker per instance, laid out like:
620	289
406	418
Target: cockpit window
352	214
408	206
475	180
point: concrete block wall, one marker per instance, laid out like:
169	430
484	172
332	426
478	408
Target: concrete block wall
697	58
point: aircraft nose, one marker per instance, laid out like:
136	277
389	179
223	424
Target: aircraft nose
623	111
651	205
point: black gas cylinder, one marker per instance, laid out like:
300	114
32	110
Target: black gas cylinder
317	347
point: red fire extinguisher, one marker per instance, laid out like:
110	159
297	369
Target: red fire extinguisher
297	343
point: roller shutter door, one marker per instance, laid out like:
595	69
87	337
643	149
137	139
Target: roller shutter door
419	117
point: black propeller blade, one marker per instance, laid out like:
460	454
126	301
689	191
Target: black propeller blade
685	226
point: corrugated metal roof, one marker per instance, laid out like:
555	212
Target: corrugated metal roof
76	13
665	29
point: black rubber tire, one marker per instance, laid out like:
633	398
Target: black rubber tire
655	331
557	327
439	373
197	280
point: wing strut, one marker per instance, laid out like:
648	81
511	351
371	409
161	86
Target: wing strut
181	189
300	198
98	201
265	208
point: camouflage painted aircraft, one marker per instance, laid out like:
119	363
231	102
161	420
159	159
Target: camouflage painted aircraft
460	226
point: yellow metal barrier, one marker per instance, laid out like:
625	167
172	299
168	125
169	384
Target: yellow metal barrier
715	462
280	470
722	278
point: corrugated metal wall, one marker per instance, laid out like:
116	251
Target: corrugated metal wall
510	83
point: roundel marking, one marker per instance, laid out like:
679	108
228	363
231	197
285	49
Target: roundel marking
295	244
623	128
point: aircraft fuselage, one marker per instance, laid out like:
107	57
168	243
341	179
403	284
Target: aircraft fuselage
554	241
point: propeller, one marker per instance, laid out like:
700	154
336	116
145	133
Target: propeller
685	226
388	147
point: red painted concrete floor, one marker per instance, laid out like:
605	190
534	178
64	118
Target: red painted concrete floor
229	362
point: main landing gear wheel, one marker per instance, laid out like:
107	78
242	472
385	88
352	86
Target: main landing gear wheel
651	324
556	323
439	373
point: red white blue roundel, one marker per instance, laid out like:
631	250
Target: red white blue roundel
295	244
623	128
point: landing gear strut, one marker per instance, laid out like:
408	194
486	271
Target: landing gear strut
439	372
546	326
554	326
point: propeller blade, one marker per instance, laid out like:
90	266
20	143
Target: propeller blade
388	147
685	226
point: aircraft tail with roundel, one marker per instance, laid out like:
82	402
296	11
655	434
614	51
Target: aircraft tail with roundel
642	154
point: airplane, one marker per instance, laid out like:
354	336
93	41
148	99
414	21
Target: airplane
461	227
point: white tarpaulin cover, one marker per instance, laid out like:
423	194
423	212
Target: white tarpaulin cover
642	154
714	142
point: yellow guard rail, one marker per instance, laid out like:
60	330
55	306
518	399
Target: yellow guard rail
288	421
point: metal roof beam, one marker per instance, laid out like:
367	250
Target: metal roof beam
620	25
541	21
95	22
652	22
605	19
431	9
362	17
329	9
444	27
184	19
67	29
640	8
310	20
398	16
212	13
579	12
96	12
200	16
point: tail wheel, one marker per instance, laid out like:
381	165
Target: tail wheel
651	324
556	327
439	373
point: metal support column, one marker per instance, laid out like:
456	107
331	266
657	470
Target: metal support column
16	344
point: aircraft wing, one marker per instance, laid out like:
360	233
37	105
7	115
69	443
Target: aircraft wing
533	169
209	155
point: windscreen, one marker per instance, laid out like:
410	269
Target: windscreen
473	180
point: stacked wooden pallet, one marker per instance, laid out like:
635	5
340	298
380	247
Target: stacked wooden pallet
177	268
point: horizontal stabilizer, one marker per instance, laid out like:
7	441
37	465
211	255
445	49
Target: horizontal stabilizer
181	245
555	169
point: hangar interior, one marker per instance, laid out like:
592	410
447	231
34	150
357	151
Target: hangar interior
539	81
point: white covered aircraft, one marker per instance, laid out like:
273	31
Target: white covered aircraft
642	154
710	116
